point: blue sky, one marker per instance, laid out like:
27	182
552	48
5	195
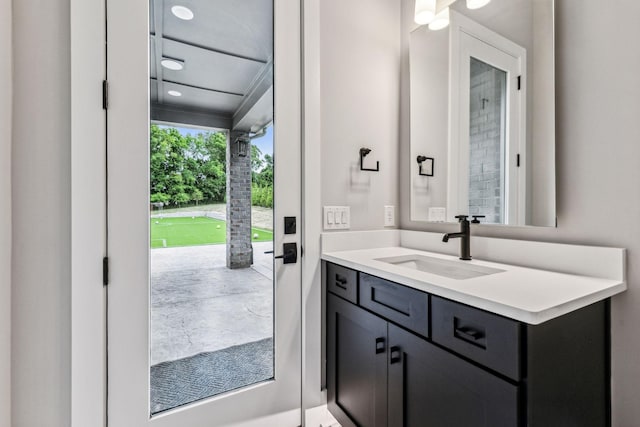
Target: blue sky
264	143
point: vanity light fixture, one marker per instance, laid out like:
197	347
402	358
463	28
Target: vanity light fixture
182	12
174	93
172	64
476	4
440	21
425	11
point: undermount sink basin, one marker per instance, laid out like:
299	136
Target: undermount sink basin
442	267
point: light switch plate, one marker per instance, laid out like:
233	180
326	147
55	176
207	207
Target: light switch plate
336	217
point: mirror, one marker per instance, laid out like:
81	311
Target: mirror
483	114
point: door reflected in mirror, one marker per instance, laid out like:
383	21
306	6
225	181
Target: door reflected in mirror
487	141
483	106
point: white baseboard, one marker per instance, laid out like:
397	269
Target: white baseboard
320	417
289	418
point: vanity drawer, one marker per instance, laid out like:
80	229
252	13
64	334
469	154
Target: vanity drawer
343	282
402	305
486	338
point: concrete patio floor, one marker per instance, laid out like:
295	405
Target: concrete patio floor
198	304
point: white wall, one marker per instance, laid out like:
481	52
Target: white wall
598	134
429	63
41	297
541	196
5	212
359	81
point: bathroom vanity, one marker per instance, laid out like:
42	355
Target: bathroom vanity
417	338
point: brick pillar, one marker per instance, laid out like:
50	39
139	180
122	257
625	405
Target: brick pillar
239	250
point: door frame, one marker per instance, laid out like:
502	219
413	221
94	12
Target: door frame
88	207
462	26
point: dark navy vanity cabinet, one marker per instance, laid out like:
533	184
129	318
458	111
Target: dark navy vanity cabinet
400	357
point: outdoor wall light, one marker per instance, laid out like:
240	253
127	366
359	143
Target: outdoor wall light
172	64
243	143
182	12
174	93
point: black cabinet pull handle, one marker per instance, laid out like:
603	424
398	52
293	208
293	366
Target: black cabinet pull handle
396	355
341	281
469	333
380	347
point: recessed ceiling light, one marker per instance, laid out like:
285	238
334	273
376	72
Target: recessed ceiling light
174	93
182	12
172	64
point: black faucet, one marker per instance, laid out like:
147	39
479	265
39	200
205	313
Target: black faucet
464	235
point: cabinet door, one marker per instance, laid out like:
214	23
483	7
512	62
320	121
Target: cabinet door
356	365
428	387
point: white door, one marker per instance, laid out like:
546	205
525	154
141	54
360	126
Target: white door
488	134
273	401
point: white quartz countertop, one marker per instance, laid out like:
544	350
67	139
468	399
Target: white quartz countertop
526	294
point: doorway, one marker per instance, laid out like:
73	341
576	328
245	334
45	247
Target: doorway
211	318
487	144
172	323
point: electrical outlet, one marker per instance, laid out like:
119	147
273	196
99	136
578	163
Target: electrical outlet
437	214
389	216
336	217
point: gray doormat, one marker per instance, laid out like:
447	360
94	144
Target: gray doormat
183	381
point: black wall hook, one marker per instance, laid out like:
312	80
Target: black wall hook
422	159
363	154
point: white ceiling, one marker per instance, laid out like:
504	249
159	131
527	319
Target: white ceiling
227	49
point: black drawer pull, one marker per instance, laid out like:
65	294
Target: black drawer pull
380	347
341	281
396	355
391	301
468	333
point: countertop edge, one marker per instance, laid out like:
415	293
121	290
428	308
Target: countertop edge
529	317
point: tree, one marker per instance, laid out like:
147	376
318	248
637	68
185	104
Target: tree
187	168
256	161
261	179
197	196
192	168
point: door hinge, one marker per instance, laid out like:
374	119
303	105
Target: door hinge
519	82
105	95
518	160
105	271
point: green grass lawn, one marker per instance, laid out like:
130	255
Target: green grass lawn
188	231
